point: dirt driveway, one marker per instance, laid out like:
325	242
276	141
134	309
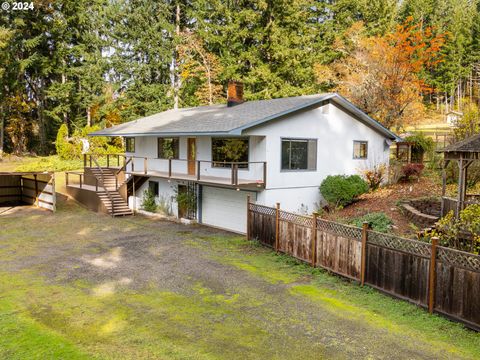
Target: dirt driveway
90	286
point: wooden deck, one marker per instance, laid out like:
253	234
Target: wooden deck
204	179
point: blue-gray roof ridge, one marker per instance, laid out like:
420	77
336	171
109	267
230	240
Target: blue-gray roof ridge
220	119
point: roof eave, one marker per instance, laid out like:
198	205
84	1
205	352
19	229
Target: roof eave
133	134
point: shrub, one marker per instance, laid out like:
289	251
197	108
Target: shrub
378	221
375	176
462	233
148	201
185	200
65	149
164	205
71	148
341	190
411	170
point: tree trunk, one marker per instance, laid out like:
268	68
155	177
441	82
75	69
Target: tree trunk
175	74
2	127
64	81
89	117
42	126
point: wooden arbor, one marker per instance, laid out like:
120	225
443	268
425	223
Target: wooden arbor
464	153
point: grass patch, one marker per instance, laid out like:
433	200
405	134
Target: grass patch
23	338
48	163
237	252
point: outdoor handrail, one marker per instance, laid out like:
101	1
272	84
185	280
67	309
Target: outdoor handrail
124	167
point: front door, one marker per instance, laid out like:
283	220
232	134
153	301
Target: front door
192	155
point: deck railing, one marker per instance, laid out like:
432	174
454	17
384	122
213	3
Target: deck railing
233	173
107	160
77	178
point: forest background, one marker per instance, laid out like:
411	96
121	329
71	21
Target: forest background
89	64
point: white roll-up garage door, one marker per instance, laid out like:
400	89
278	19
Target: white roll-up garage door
225	208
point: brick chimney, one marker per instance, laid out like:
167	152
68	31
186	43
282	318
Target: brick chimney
234	93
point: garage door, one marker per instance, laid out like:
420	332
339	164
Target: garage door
224	208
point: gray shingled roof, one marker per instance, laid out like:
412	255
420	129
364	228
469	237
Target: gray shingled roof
471	144
223	120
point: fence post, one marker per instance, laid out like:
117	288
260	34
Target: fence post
432	275
36	190
363	265
248	217
277	226
314	238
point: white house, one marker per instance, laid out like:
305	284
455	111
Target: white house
280	150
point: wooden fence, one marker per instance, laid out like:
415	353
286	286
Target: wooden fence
31	188
443	280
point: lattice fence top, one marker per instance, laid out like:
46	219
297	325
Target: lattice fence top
260	209
397	243
296	219
458	258
347	231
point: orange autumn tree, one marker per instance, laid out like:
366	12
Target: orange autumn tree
383	74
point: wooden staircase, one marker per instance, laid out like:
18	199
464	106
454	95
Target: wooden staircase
109	194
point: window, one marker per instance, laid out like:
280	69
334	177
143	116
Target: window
360	149
153	187
228	150
299	154
168	148
130	144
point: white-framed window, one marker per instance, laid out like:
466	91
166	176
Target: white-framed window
360	149
299	154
